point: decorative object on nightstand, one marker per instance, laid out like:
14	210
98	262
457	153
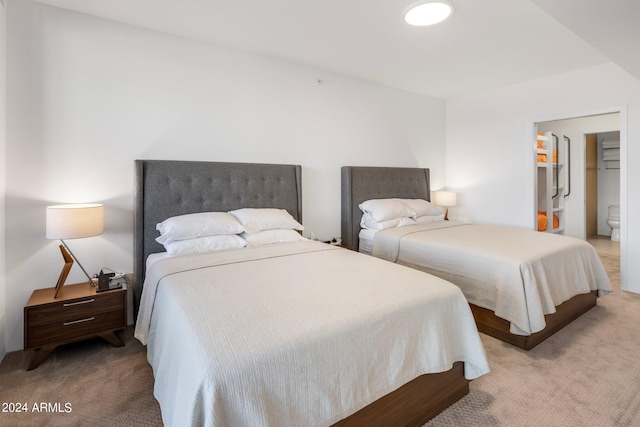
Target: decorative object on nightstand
445	199
77	314
74	221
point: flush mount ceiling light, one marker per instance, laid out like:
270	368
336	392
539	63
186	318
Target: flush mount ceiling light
429	13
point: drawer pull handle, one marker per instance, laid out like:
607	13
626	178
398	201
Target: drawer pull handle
88	319
69	304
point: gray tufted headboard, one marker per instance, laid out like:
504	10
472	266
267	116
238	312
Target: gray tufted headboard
361	183
166	188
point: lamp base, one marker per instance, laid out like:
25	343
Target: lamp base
446	214
68	263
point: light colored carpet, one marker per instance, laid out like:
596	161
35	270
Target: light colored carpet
105	386
587	374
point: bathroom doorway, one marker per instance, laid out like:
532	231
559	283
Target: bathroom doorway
584	211
602	173
578	128
602	191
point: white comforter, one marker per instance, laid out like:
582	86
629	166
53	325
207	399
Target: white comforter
520	275
295	334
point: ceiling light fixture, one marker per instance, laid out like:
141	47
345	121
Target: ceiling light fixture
429	13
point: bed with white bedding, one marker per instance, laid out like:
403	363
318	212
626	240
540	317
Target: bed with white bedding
261	336
296	333
522	285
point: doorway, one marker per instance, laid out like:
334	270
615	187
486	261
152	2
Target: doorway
595	183
602	183
577	127
584	209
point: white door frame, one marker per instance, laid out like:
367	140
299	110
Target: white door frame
622	110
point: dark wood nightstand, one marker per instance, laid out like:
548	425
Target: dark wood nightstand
77	314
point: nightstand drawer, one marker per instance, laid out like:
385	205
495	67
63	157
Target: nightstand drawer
74	327
63	311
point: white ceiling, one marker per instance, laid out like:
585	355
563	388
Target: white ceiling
485	44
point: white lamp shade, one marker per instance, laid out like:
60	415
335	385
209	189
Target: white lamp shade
74	221
444	198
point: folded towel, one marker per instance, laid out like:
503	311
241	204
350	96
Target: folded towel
543	222
542	158
611	154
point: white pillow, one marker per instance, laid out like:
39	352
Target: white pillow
256	220
272	236
369	223
384	209
205	244
429	218
422	207
190	226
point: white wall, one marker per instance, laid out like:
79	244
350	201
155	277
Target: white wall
87	96
490	137
576	129
3	92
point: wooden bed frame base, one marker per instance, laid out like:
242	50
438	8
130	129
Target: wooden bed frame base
414	403
566	312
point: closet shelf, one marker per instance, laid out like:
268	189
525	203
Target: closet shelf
544	165
552	181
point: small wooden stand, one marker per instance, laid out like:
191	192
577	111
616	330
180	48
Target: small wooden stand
77	314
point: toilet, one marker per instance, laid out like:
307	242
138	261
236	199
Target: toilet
613	221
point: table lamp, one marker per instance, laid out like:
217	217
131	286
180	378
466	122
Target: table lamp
73	221
446	199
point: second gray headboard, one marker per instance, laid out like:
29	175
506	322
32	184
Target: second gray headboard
362	183
166	188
